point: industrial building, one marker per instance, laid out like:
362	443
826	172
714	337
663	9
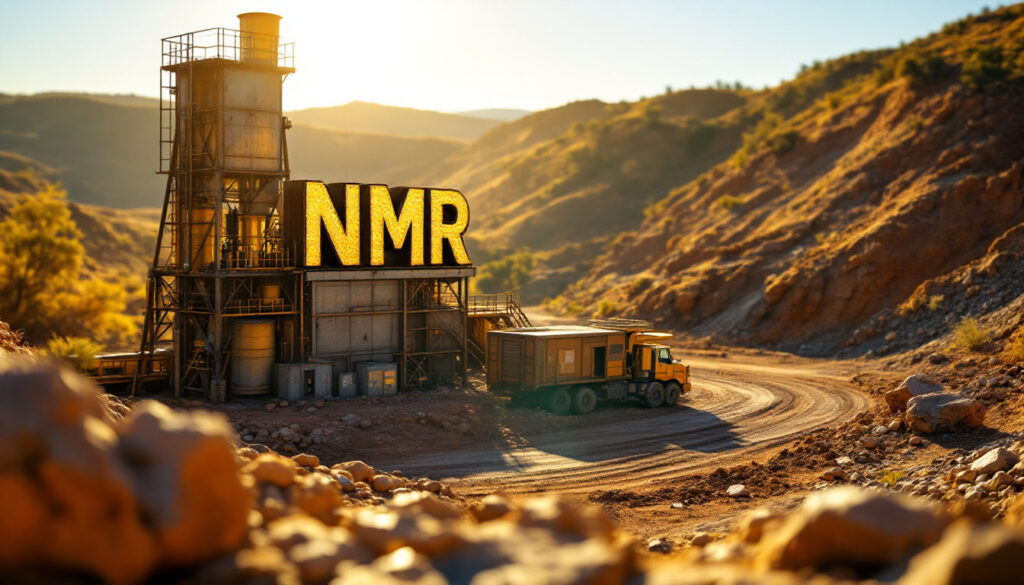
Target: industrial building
229	296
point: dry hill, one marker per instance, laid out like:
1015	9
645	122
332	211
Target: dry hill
819	229
377	118
104	148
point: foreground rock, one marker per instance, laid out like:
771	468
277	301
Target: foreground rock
930	413
854	528
970	555
167	497
87	493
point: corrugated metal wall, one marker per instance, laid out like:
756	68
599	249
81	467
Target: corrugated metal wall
356	320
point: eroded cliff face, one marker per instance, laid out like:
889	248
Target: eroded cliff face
897	185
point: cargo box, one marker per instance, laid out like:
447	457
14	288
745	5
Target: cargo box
533	357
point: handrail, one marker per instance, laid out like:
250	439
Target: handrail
620	323
226	43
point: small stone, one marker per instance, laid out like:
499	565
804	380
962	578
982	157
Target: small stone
382	483
880	430
306	460
359	471
677	506
737	490
869	442
365	424
311	409
271	468
319	403
993	460
895	425
916	440
700	539
659	545
833	474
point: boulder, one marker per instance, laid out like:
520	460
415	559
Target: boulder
975	554
186	478
930	413
993	460
916	385
851	527
67	497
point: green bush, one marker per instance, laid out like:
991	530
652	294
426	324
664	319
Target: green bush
639	284
784	142
730	203
922	67
80	352
984	67
606	309
969	335
505	274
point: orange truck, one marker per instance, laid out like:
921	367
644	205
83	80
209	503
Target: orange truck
570	367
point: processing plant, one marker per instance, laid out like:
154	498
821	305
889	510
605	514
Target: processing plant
262	284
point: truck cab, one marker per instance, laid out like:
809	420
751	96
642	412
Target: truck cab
654	363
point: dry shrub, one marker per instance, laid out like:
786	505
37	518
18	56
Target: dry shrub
970	335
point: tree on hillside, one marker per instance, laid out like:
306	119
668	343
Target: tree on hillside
39	254
41	288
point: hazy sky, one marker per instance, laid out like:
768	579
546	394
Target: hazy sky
456	55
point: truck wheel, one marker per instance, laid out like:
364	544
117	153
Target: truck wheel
584	400
672	393
655	395
559	401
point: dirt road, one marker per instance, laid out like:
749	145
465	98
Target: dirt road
739	408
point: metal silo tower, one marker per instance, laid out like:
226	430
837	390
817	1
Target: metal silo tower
223	288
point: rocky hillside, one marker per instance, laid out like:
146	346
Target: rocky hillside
834	211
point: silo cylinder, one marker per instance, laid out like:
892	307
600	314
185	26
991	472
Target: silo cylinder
252	356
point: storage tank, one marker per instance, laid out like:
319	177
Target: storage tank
202	252
259	36
252	356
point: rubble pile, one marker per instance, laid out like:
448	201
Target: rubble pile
162	495
10	341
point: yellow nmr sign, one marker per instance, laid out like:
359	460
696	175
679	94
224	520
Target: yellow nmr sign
351	225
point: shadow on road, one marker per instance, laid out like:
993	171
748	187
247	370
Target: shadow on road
614	432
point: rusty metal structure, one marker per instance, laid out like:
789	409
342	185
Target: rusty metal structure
224	278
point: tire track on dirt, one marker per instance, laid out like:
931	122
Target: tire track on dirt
735	412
